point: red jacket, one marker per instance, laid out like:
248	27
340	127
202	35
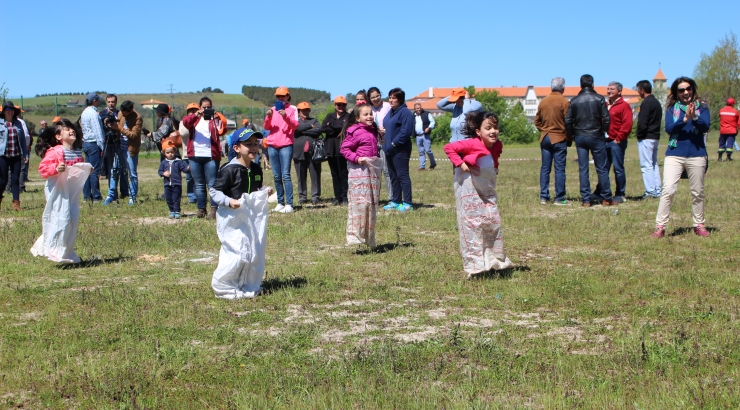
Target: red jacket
470	149
729	120
620	126
53	157
190	122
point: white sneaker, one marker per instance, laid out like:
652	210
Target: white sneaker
279	208
286	210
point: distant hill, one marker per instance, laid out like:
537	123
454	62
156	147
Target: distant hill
266	95
179	100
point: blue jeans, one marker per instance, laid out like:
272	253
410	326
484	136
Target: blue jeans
648	150
190	185
91	190
615	156
425	147
133	176
280	159
118	169
597	147
398	169
557	153
204	171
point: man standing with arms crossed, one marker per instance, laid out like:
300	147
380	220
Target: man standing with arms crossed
423	125
648	135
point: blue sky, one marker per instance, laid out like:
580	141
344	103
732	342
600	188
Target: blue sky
341	47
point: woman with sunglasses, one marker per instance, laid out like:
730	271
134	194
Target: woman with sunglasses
686	121
13	152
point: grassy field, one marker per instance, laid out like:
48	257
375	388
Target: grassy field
595	315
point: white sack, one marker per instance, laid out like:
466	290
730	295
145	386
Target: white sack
478	222
62	214
243	235
363	194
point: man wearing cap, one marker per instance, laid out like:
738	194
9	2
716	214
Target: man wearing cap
729	120
459	104
92	145
423	126
648	135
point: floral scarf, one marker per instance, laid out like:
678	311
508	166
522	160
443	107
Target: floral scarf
678	108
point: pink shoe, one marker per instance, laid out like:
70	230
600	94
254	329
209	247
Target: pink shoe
701	230
659	232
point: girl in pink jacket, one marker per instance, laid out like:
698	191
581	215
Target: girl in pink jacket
360	148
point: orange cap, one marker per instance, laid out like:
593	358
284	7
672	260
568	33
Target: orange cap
191	106
245	121
340	100
19	108
304	106
56	120
457	93
282	90
168	144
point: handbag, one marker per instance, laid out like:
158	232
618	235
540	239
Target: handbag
318	152
173	136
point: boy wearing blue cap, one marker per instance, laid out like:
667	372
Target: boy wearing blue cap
241	175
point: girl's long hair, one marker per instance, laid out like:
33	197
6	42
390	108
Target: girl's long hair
474	121
48	138
353	119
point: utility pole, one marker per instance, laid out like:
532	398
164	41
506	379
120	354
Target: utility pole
172	94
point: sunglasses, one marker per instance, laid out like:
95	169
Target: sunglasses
683	90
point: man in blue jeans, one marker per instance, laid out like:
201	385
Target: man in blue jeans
588	120
423	126
92	145
620	127
550	121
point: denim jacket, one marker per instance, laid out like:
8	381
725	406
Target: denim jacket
21	137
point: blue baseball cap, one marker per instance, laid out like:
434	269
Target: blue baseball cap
242	134
92	97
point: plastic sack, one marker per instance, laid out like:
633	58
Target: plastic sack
62	214
478	222
363	195
243	235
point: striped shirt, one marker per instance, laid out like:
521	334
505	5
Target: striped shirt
73	156
12	147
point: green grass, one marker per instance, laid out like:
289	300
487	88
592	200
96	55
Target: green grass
596	314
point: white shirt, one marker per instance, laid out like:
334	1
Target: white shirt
202	139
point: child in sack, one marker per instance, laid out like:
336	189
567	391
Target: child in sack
479	223
170	169
241	220
360	148
60	146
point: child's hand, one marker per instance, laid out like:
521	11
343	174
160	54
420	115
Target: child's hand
166	174
234	204
61	167
473	170
362	160
269	190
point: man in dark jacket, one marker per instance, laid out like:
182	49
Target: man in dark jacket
648	135
587	122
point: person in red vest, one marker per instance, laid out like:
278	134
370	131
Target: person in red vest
729	120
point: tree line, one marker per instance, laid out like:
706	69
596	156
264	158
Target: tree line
266	95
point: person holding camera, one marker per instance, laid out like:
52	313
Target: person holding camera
116	150
92	146
281	120
204	152
130	123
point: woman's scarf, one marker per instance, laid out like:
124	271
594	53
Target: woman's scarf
678	108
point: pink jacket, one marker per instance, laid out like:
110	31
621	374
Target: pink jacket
470	149
281	128
359	142
53	157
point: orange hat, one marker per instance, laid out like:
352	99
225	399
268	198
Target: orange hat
19	108
191	106
340	100
304	106
245	121
282	90
457	93
168	144
56	120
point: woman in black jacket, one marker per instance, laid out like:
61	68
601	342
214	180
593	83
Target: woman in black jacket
308	130
332	127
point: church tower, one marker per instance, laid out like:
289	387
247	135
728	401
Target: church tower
660	90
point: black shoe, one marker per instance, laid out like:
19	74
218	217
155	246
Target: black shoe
335	202
302	201
314	202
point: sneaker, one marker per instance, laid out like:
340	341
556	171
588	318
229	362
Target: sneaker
561	203
131	201
335	202
279	208
172	215
108	201
659	232
391	206
177	215
302	201
701	230
619	199
431	168
314	202
543	201
286	209
405	207
212	213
